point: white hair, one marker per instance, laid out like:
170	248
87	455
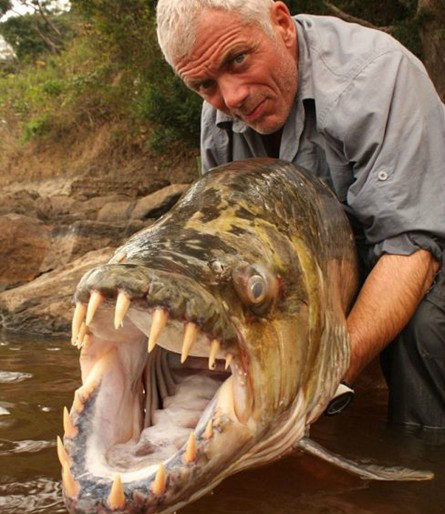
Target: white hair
177	20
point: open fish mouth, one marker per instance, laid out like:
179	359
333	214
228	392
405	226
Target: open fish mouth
165	387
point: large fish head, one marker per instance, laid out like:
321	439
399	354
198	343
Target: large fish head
210	341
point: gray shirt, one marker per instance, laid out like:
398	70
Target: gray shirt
366	120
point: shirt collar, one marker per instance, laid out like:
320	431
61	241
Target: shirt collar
227	122
305	87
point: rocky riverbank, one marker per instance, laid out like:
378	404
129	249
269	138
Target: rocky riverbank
53	231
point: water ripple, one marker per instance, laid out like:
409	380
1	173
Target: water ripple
25	446
35	496
10	377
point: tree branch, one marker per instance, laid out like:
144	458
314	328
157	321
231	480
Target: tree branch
352	19
46	19
52	45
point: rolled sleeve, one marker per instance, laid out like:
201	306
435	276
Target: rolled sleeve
392	123
407	244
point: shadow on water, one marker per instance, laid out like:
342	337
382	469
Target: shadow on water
38	377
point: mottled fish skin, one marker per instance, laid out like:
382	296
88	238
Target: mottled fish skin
264	217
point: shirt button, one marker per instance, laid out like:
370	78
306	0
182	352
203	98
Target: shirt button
382	175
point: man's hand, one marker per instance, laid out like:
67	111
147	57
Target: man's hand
386	302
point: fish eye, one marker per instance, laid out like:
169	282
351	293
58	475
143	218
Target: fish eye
256	289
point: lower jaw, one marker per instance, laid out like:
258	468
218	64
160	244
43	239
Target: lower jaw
196	468
231	447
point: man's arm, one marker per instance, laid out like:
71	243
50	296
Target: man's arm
386	302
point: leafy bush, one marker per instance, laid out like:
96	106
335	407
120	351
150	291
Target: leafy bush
173	109
21	33
32	36
36	128
125	33
53	87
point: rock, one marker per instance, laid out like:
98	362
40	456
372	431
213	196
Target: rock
24	243
57	207
89	208
19	202
68	242
113	212
44	306
158	203
91	187
53	231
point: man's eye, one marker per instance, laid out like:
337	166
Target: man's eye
206	85
239	58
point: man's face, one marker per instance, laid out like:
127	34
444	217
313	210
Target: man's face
243	71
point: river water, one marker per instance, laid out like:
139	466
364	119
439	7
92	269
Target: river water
38	377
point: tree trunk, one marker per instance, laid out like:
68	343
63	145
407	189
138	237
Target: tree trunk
432	14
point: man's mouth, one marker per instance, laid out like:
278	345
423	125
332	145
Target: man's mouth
251	115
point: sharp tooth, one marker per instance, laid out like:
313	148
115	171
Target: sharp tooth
70	485
209	430
61	453
92	380
225	399
78	317
160	318
229	359
214	349
116	498
160	482
77	403
68	426
88	389
86	343
190	452
95	300
122	305
190	335
81	335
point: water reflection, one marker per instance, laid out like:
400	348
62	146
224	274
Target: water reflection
38	377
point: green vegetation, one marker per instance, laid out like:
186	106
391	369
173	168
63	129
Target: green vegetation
109	70
100	64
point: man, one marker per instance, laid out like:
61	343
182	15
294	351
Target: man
358	110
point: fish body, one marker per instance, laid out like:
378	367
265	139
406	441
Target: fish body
211	340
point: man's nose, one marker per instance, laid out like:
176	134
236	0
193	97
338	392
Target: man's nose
233	92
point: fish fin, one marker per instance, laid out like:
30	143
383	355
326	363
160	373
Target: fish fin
363	470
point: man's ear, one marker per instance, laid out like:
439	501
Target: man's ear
283	23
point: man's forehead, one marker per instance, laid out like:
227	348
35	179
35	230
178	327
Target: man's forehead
218	33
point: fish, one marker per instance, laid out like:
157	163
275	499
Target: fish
211	342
